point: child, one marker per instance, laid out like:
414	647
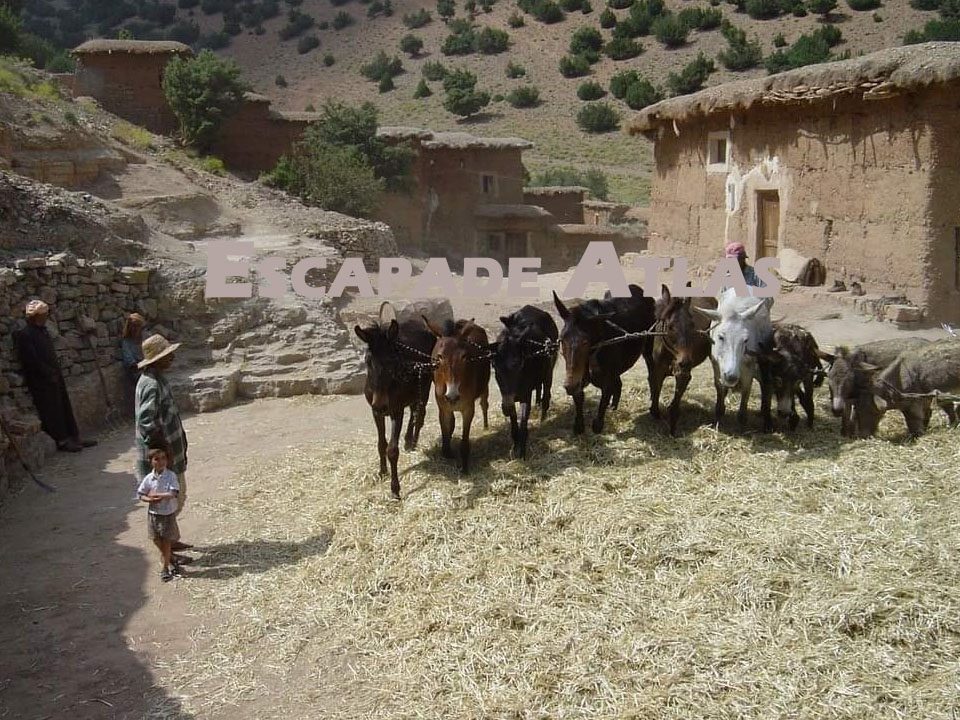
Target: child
159	488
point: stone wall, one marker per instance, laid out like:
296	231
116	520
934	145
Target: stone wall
857	184
88	302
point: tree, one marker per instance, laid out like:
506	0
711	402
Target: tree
327	176
641	94
599	117
202	92
741	54
411	44
692	77
10	29
422	90
590	90
524	97
492	42
446	9
586	38
462	97
670	30
567	175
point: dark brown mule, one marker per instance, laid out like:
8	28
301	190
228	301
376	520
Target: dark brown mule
526	351
399	373
588	325
683	345
461	358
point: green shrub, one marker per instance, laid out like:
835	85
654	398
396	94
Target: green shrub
202	92
619	4
515	70
333	178
281	81
941	30
381	66
10	29
462	43
328	59
61	62
585	7
807	50
925	4
821	7
831	35
307	43
863	4
700	18
571	5
642	93
497	98
590	90
214	41
599	117
524	97
491	41
418	19
740	54
670	31
411	44
763	9
585	38
950	9
572	66
462	97
692	77
569	176
213	165
622	49
297	24
386	83
422	90
779	41
621	82
434	70
608	19
515	20
446	9
341	20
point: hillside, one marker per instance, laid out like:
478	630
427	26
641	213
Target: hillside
538	47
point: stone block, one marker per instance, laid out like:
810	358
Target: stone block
135	275
67	259
148	307
48	295
30	263
903	314
120	288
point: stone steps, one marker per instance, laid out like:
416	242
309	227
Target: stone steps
880	307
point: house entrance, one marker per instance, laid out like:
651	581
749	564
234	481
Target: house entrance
768	223
502	246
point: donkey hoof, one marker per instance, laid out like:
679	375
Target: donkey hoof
597	425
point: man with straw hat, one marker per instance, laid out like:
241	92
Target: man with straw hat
158	419
44	378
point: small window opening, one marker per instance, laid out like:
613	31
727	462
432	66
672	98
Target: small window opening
488	184
718	151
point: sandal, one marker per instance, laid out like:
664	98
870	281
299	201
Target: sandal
166	575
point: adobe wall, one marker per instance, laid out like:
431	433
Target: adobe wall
566	206
254	138
561	246
128	85
81	295
452	186
854	182
407	213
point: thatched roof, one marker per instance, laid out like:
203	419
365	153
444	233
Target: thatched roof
604	205
580	229
872	77
132	47
295	115
555	190
504	212
403	133
452	140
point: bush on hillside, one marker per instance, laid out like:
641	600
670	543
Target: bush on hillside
214	41
491	41
619	4
863	4
10	29
590	90
622	49
515	20
460	43
585	38
608	19
202	92
821	7
568	176
61	62
524	97
621	82
925	4
462	98
297	24
571	5
515	70
417	19
642	93
692	77
546	11
434	70
779	41
341	20
446	9
423	90
328	59
307	43
740	54
330	177
807	50
386	84
600	117
572	66
670	30
380	66
411	44
941	30
701	18
763	9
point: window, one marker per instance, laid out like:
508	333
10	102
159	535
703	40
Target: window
488	184
718	151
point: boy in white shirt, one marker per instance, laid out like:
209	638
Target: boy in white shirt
160	488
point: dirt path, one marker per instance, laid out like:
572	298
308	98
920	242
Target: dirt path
87	624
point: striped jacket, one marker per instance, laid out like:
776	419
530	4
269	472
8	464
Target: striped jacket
157	416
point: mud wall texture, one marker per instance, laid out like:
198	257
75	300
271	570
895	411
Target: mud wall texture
868	187
128	85
88	302
566	205
254	138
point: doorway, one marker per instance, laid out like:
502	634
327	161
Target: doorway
768	223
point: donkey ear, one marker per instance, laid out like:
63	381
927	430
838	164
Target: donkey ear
826	357
362	334
393	331
867	367
506	319
665	293
747	314
712	314
431	327
561	308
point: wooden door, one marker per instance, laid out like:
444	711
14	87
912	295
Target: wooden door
768	223
516	246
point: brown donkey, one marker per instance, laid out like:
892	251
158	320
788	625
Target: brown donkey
461	374
683	345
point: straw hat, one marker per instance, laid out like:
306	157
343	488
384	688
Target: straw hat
37	307
154	348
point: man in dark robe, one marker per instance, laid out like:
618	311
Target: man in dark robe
44	378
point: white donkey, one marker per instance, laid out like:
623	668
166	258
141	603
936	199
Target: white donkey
740	334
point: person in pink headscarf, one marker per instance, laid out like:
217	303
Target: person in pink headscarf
738	251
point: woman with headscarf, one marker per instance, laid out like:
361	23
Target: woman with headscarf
132	347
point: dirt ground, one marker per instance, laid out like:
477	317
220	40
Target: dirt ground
88	628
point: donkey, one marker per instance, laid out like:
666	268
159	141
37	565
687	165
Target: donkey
461	357
584	328
398	377
683	345
741	333
526	351
796	370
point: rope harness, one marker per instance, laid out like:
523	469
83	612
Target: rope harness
937	395
624	336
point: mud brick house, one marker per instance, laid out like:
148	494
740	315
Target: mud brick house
856	163
468	200
126	78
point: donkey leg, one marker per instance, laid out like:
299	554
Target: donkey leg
615	398
393	451
545	401
682	381
465	440
806	399
605	397
766	395
447	424
655	379
578	411
381	441
421	414
950	410
524	417
408	442
721	406
483	407
514	426
744	402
